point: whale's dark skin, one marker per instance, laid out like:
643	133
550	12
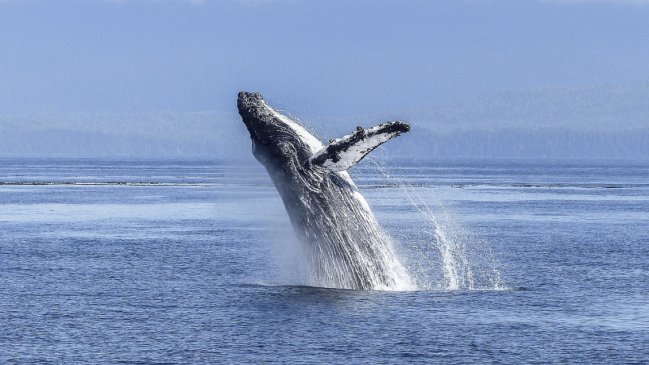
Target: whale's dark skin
344	243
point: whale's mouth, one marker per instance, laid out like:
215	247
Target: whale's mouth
252	109
260	119
249	99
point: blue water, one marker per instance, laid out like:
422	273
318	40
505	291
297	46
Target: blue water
106	261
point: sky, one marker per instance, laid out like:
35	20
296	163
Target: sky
318	59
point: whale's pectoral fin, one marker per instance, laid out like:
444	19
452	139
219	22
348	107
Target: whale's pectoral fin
345	152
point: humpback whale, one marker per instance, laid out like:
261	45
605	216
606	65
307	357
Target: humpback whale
344	244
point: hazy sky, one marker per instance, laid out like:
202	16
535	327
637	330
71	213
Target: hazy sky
317	58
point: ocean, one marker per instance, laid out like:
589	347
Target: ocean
194	261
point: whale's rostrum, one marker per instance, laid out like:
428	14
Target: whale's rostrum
344	244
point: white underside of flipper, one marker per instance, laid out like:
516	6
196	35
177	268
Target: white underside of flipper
345	152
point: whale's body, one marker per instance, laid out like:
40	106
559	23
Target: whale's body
345	245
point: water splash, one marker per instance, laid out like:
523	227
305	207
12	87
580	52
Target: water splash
445	255
343	245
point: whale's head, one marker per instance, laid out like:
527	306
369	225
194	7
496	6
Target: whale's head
277	141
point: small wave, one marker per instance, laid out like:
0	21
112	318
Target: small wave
295	286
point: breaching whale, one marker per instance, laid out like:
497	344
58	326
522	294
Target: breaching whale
344	244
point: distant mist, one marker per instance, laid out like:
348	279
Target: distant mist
134	135
584	123
530	143
596	123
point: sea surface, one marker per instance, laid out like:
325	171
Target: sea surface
192	261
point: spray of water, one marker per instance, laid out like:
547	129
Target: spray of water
445	255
